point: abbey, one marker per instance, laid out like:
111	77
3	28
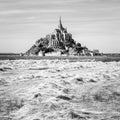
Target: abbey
60	41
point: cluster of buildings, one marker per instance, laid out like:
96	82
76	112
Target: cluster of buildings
60	42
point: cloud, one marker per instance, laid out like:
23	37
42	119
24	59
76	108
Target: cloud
6	12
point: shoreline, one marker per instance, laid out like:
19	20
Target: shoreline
71	58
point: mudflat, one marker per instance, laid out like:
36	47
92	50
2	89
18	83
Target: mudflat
59	90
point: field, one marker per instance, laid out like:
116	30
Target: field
60	89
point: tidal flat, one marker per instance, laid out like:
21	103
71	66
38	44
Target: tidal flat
59	90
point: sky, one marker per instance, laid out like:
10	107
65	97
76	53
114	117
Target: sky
93	23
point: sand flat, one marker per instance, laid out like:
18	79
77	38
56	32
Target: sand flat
59	90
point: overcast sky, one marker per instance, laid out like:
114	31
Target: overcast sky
94	23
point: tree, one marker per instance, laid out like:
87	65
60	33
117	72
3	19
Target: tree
78	48
48	50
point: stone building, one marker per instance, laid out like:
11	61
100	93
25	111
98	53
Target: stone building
58	37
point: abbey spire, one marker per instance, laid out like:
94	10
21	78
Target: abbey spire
60	24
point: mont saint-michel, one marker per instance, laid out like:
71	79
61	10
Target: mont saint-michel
59	42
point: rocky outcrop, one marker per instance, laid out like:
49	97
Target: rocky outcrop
60	40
